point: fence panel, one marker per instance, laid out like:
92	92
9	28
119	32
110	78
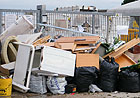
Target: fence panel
8	16
102	24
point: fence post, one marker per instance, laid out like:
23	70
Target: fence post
42	9
93	24
108	31
0	22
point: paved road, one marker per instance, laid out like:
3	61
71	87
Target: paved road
77	95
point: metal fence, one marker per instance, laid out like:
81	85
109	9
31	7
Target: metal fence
8	16
102	24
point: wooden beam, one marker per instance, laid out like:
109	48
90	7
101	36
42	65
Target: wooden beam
98	45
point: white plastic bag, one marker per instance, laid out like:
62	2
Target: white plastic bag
56	84
93	88
38	84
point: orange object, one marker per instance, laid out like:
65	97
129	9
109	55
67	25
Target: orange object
73	39
87	60
124	61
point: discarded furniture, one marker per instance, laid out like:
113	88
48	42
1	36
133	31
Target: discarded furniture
124	61
87	60
21	26
23	66
123	48
58	61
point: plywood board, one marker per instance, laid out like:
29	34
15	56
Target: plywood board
84	48
85	42
72	39
84	60
124	61
51	44
66	46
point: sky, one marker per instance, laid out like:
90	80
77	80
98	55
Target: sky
52	4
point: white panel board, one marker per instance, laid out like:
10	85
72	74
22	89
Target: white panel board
58	61
21	64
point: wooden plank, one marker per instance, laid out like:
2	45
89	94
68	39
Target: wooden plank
108	54
84	48
98	45
57	45
74	47
127	44
51	44
125	47
41	40
84	60
72	39
124	61
85	42
66	46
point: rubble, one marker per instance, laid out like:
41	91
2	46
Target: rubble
66	64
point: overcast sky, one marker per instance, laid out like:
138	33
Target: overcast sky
52	4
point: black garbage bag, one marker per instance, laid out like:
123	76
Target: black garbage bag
108	75
129	81
85	76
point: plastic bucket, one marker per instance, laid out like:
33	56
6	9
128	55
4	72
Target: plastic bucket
5	87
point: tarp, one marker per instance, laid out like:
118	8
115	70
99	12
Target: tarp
133	7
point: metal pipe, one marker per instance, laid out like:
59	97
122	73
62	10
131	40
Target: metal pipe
46	25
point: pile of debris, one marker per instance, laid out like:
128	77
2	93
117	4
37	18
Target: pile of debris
38	63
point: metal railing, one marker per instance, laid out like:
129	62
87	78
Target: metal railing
103	24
